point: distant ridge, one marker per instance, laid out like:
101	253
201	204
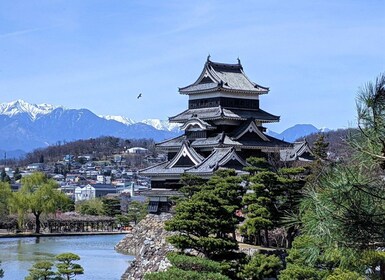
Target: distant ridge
25	126
296	132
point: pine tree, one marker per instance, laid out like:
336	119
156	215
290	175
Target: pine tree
66	266
320	147
41	270
206	222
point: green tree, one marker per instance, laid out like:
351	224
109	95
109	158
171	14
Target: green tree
261	266
66	266
189	267
371	121
190	184
137	211
111	206
5	198
320	147
94	207
272	194
206	222
39	195
41	270
4	177
17	175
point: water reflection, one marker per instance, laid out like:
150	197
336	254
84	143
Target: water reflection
98	257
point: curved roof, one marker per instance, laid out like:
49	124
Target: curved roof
223	77
215	113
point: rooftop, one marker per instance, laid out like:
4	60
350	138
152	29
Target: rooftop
223	77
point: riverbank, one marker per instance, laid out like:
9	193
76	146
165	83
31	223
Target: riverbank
32	234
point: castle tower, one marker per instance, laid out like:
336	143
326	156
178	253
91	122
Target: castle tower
223	126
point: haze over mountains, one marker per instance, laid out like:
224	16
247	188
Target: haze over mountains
24	127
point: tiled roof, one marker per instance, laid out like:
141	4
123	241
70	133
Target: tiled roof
297	152
172	143
160	169
249	126
186	151
225	140
223	76
219	157
213	113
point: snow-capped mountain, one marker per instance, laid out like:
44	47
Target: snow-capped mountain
25	126
162	125
120	119
155	123
32	110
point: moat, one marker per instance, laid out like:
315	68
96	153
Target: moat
98	257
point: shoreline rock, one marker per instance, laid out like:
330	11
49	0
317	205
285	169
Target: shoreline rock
147	242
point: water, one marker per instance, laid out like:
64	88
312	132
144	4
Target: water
97	255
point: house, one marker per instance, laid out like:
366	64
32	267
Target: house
137	150
35	167
93	191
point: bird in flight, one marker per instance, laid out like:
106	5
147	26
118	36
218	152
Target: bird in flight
139	96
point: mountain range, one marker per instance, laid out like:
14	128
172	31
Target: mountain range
25	126
296	132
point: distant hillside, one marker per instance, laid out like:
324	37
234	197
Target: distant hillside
338	142
25	126
293	133
99	148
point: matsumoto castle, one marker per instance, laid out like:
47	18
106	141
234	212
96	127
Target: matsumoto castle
223	126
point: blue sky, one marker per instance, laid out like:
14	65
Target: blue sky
314	55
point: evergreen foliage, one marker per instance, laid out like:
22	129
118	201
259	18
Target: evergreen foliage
94	207
261	266
272	194
5	199
343	212
178	274
111	206
189	267
41	270
206	222
136	212
66	266
320	148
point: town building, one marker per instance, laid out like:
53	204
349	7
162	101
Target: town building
223	125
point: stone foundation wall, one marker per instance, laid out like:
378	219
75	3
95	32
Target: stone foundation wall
147	242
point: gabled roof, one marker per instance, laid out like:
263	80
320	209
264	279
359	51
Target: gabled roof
215	113
218	158
299	151
224	77
249	127
187	153
172	143
196	122
222	139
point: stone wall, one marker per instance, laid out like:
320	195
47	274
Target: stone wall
147	242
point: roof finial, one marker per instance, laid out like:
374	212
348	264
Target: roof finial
239	61
208	58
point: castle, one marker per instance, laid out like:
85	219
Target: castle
223	126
